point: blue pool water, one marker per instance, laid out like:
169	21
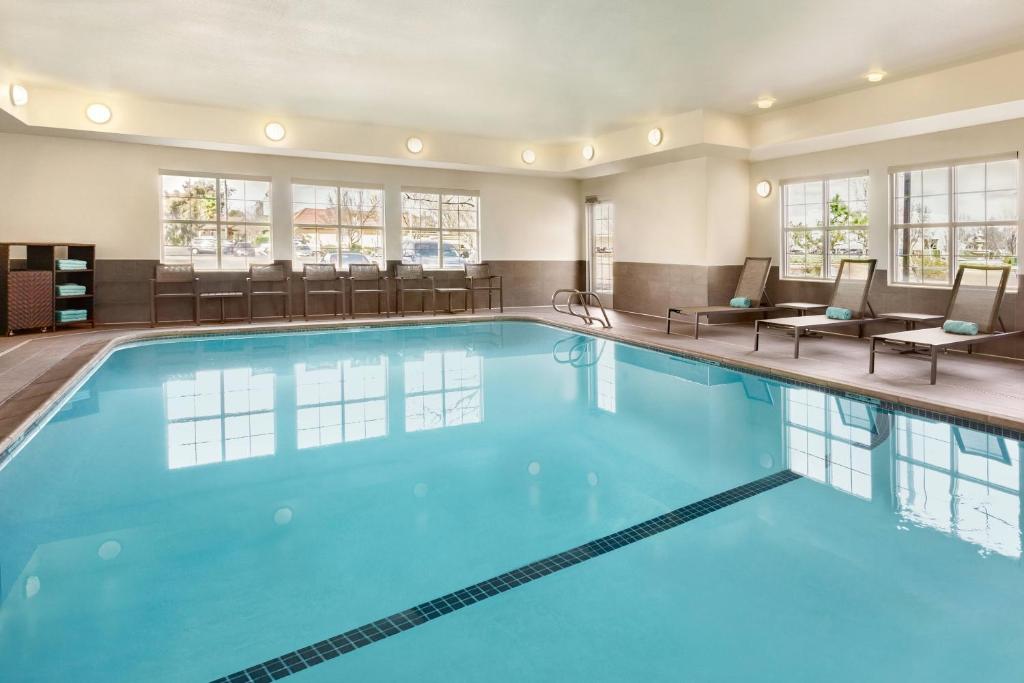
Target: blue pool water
201	506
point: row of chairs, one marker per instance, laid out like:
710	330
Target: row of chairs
321	280
974	306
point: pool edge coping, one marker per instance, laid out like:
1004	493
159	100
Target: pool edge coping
49	402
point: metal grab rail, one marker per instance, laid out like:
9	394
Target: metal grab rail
581	298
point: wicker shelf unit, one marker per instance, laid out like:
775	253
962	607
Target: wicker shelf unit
28	281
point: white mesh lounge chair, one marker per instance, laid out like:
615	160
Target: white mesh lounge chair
751	285
849	291
975	305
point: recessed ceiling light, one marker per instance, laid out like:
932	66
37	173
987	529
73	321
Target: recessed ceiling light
98	113
765	102
588	152
529	156
654	136
763	189
274	131
414	145
19	95
875	76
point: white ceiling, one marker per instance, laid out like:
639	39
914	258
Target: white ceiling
524	69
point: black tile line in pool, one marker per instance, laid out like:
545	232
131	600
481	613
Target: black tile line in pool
328	649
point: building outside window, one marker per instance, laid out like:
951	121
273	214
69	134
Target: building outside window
215	222
947	215
824	220
439	229
337	224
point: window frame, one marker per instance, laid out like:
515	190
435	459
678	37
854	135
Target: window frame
826	228
952	224
441	194
339	226
219	221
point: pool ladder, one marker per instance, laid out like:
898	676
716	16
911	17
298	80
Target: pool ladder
584	299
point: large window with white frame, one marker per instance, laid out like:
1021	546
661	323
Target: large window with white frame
440	229
824	220
215	222
947	215
333	223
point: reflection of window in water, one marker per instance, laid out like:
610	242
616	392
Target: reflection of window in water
605	377
826	439
443	389
341	401
219	415
960	481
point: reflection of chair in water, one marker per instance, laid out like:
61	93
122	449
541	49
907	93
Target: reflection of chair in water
578	351
863	416
979	443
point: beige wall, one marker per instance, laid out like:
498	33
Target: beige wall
660	212
57	189
689	212
875	159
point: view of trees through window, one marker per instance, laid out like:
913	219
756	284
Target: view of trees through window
338	225
824	221
214	222
949	215
440	230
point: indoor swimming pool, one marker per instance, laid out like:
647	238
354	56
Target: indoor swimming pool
497	501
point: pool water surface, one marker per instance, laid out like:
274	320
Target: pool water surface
200	507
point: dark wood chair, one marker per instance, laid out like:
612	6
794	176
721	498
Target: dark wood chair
273	283
325	278
374	284
409	279
479	279
172	282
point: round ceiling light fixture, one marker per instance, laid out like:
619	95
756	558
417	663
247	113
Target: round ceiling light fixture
765	102
274	131
529	156
654	136
19	95
763	189
875	76
588	152
98	113
414	145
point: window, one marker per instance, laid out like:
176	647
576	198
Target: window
341	401
219	415
959	481
215	222
823	221
443	390
440	230
953	214
339	225
825	439
601	258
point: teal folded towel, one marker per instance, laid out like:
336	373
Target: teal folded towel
72	315
740	302
69	289
837	313
960	327
71	264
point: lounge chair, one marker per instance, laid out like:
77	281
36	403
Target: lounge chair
849	292
974	305
751	285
